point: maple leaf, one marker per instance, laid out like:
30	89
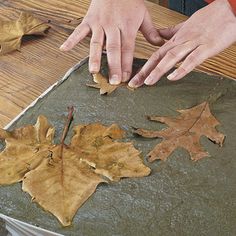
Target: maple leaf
25	149
62	177
102	84
184	131
111	159
105	87
62	185
11	32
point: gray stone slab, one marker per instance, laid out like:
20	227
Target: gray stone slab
180	197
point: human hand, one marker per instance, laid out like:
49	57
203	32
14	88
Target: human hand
205	34
118	23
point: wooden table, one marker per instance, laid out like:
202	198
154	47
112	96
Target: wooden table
25	75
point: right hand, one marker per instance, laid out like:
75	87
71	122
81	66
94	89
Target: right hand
115	24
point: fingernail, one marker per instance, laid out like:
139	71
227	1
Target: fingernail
125	76
114	80
94	68
132	84
172	75
149	80
63	47
153	34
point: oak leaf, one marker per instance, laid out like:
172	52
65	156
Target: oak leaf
62	177
184	131
11	32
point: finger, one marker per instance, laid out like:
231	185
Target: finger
113	47
171	58
150	32
127	54
168	33
80	32
138	79
96	46
193	60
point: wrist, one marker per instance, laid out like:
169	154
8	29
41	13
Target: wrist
231	4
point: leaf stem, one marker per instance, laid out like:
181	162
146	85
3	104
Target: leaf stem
67	124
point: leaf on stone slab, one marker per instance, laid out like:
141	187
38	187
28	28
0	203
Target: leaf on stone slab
62	177
62	185
184	131
25	149
102	83
11	32
108	157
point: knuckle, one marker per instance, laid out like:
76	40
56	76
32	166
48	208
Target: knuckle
96	43
157	71
151	31
128	48
156	55
142	75
192	59
113	47
172	54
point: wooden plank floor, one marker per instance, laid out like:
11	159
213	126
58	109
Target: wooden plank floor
25	75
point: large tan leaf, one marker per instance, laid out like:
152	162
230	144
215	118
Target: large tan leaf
109	158
25	149
61	185
60	177
11	32
184	131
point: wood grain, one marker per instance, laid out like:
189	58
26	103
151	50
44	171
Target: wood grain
25	75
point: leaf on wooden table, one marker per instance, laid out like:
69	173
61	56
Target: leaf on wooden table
102	83
11	32
25	149
184	131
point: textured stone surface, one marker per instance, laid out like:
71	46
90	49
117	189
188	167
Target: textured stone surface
180	197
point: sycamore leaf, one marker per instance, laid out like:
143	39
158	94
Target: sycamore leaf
184	131
11	32
62	177
111	159
102	83
62	185
25	149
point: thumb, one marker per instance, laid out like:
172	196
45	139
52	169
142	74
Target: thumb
168	33
149	31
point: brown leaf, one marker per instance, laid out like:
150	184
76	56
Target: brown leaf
102	84
109	158
184	131
62	185
11	32
25	149
62	177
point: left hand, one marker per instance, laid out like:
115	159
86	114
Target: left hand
205	34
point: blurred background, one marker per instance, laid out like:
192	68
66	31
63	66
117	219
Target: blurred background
161	2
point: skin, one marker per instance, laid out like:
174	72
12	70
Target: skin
206	33
114	24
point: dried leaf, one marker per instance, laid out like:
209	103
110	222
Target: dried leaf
62	177
62	185
111	159
184	131
11	32
102	84
25	149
